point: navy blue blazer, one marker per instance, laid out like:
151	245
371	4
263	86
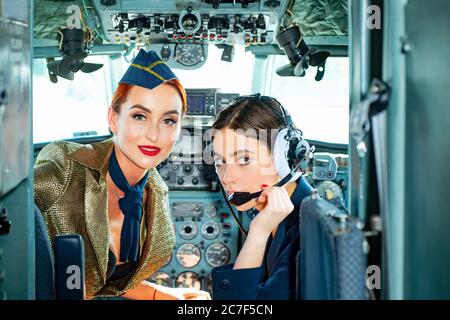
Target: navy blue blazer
276	277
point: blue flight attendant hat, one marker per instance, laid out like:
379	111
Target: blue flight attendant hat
147	70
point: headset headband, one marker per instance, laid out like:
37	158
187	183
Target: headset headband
284	115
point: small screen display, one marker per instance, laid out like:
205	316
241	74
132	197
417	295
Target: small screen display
196	103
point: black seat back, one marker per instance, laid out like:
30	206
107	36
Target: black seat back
61	276
44	268
69	266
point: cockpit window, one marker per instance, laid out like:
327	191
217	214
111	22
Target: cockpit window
319	108
70	109
230	77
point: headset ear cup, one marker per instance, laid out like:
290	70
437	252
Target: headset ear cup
303	148
280	150
280	155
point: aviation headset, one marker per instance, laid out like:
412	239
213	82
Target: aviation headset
291	152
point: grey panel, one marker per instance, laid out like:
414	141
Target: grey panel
14	105
17	251
427	207
17	246
17	10
15	127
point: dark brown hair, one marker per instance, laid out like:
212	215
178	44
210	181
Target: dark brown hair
248	113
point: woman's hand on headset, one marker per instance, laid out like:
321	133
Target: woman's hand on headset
277	207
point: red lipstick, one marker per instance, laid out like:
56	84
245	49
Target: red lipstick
149	150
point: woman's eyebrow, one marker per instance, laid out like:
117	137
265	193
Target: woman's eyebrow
140	106
241	151
171	112
235	153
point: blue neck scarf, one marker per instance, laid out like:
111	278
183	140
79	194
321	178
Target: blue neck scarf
131	206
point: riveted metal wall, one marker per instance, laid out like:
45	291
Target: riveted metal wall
16	197
427	128
394	75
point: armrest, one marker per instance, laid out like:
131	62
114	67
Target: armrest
69	267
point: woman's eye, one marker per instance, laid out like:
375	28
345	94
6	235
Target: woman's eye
244	160
139	117
170	122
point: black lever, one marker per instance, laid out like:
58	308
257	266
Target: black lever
5	223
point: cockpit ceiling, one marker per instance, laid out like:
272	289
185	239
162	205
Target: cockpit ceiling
321	17
49	16
315	17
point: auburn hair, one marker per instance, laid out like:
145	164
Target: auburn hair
121	93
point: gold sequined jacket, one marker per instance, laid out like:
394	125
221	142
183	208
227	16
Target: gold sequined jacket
70	190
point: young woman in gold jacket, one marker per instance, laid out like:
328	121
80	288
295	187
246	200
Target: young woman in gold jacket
110	192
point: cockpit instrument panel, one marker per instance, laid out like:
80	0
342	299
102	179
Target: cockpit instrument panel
188	255
188	279
189	24
207	237
202	101
189	54
330	176
217	254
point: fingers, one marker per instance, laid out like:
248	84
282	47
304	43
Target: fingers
278	200
262	198
278	206
197	295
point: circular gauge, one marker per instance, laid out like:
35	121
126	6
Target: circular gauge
188	230
217	254
208	283
189	54
189	22
210	230
161	278
211	210
188	255
188	279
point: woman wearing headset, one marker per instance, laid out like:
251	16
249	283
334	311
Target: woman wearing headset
110	192
249	160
